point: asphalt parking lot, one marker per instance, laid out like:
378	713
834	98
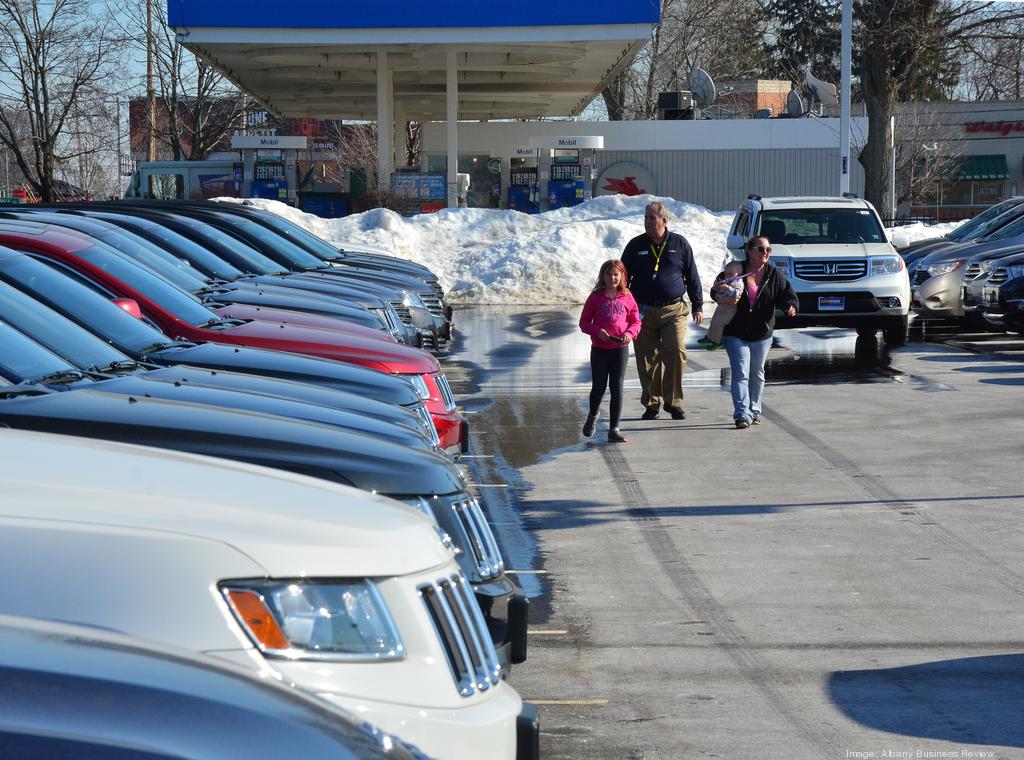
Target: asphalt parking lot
844	580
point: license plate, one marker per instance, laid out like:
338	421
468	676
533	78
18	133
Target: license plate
831	303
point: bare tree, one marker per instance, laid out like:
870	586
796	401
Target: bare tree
56	60
927	152
197	107
722	36
903	46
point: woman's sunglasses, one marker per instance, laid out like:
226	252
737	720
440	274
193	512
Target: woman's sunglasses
763	248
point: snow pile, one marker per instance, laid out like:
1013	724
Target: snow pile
491	256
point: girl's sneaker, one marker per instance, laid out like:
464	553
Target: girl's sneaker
590	424
614	436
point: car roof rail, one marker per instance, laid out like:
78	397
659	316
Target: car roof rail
850	195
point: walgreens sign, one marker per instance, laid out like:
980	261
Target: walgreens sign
999	127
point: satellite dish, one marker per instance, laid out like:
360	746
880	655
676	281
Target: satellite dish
825	92
702	87
794	104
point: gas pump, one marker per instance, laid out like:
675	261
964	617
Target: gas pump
572	169
272	175
523	183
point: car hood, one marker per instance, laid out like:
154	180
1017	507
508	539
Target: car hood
304	319
368	463
379	354
289	524
156	387
289	389
963	252
273	297
832	251
332	290
380	386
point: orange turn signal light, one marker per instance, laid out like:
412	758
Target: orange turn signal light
258	619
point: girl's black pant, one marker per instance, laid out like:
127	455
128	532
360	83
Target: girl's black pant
608	370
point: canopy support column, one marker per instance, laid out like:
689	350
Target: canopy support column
385	123
452	92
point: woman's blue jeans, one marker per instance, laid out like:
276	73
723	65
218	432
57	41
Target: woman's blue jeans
746	360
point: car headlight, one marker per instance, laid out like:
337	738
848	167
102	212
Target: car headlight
944	268
315	620
419	504
886	265
420	385
782	265
1015	271
410	298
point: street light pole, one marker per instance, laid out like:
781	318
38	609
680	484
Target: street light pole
150	92
846	53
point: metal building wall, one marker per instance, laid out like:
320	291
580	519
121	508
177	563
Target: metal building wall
720	179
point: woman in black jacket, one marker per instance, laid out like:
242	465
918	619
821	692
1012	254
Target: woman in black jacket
749	335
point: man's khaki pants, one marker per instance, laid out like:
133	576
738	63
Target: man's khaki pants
660	350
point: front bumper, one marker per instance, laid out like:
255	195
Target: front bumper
486	730
846	308
939	297
452	431
505	609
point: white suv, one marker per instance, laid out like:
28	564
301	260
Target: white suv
350	596
836	253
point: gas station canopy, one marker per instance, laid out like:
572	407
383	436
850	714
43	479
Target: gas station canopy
513	60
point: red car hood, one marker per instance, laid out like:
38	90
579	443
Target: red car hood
289	317
375	353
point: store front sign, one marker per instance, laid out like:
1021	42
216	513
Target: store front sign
1003	128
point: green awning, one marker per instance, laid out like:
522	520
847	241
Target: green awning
983	167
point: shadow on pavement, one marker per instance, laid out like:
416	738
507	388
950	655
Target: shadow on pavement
977	700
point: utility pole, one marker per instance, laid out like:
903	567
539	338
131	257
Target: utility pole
846	53
150	92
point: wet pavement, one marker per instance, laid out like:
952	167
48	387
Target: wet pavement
845	578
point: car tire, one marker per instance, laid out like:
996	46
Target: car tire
866	332
898	332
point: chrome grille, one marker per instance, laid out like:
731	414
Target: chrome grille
446	391
973	271
403	312
920	275
831	271
428	423
433	304
999	276
463	633
391	319
485	547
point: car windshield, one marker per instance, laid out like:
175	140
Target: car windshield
300	236
60	335
1010	228
206	261
820	226
183	305
157	260
80	304
239	253
273	244
989	220
25	360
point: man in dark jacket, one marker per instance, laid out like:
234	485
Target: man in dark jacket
661	271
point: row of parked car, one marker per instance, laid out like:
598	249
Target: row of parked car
975	274
361	569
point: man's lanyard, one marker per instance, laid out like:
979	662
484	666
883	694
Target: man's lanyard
657	256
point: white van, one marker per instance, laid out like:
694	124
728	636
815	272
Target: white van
185	180
838	257
349	596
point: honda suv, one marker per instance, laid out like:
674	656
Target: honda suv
838	257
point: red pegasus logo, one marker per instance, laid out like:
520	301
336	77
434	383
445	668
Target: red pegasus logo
624	186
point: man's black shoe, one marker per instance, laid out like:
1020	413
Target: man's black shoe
650	414
677	414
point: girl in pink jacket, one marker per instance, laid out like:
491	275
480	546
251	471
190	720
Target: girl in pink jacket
612	320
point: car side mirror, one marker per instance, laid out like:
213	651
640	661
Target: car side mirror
129	305
735	242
